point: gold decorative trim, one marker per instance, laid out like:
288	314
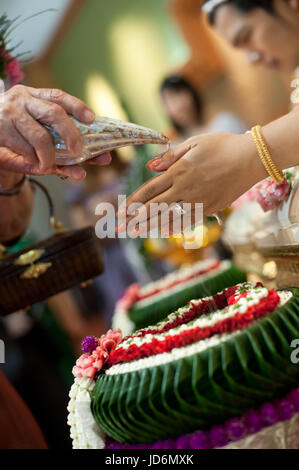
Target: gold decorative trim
29	258
36	270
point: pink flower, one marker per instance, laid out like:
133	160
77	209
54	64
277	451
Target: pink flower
110	340
13	69
90	372
77	372
88	364
130	297
269	194
85	361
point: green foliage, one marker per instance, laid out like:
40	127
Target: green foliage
157	310
204	389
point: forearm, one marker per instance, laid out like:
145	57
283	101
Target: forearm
282	137
15	211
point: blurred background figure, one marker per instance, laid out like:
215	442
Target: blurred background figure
185	108
102	185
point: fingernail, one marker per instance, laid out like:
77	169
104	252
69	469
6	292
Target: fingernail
157	162
78	173
104	159
148	165
89	115
151	162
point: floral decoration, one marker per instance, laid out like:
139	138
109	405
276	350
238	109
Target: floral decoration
10	67
232	430
270	194
96	353
232	309
136	295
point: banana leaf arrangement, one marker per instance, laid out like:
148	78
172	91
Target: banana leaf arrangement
212	372
211	277
201	390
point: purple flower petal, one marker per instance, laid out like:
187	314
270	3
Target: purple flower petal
285	409
182	442
235	429
252	422
89	344
200	440
218	436
294	398
269	414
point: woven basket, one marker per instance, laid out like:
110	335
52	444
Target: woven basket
53	265
69	259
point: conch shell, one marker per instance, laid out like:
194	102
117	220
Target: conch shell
103	135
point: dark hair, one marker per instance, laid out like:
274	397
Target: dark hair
244	6
179	83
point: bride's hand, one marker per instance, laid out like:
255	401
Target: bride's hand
213	169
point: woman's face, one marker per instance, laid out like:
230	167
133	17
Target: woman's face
271	40
180	107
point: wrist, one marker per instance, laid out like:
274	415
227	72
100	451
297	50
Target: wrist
9	179
253	168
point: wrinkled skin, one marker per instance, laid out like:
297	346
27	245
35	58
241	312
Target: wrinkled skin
25	145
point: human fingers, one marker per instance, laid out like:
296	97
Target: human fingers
148	215
74	172
39	138
55	116
147	192
69	103
101	160
14	141
165	161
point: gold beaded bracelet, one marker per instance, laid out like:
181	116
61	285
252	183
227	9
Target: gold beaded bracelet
265	155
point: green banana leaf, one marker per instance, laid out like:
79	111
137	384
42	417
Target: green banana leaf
203	389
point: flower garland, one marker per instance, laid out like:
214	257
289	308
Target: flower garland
84	432
231	310
270	194
267	193
235	429
97	353
172	280
136	295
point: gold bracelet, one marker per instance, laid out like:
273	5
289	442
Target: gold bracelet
265	155
277	175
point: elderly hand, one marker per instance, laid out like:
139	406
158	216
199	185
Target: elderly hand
213	169
25	145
